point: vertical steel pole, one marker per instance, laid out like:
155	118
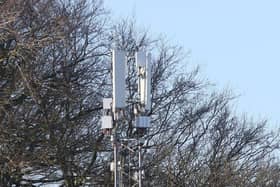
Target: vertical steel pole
116	174
121	166
140	165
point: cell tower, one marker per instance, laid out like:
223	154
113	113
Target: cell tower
113	110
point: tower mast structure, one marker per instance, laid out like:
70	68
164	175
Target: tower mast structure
113	108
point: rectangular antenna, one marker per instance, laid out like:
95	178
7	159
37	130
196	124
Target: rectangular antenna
140	58
118	60
143	64
148	103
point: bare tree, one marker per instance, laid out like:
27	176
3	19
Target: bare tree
54	71
50	85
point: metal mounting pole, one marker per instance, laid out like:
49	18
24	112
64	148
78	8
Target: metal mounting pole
115	145
140	165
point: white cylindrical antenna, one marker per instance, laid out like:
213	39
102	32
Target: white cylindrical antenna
118	60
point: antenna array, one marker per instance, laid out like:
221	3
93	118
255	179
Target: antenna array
114	108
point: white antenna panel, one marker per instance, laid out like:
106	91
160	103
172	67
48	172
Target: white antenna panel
148	83
118	60
144	66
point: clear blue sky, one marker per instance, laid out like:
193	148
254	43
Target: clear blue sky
236	43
